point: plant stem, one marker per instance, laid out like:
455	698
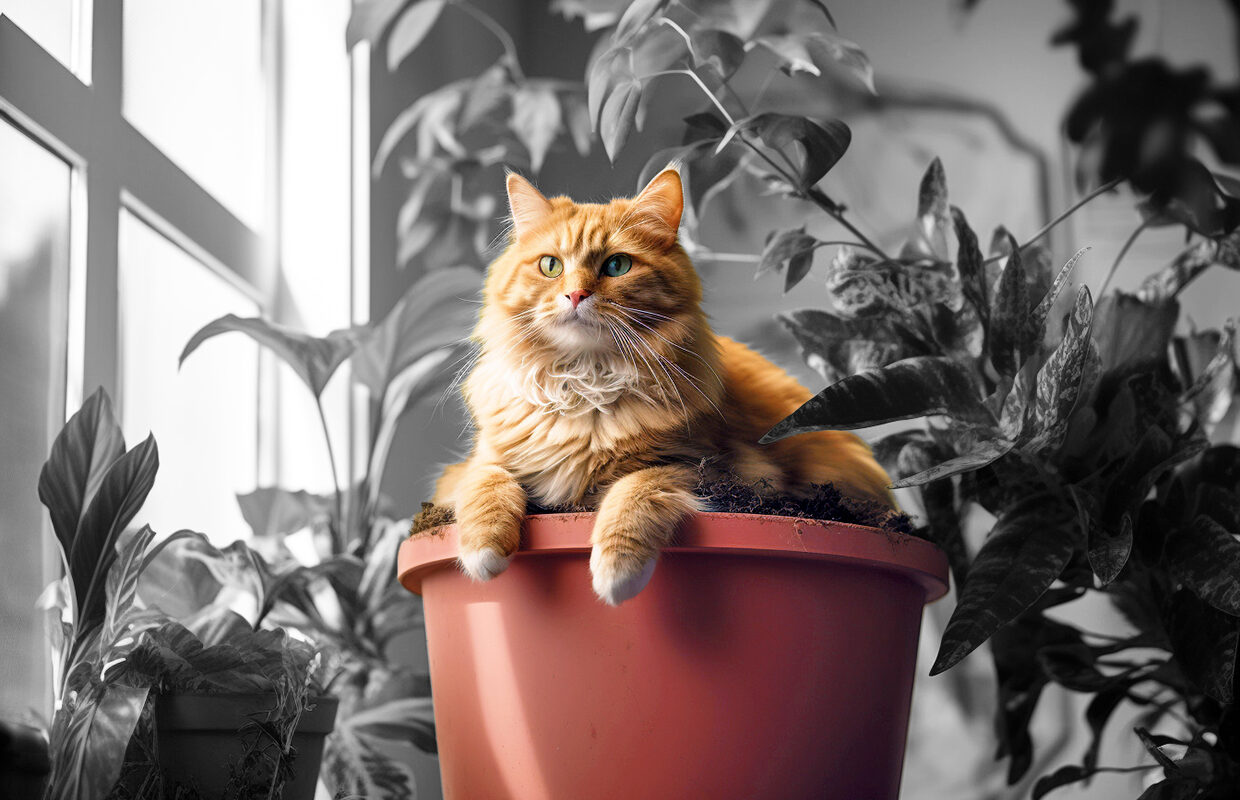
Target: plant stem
338	527
1048	227
1123	251
505	40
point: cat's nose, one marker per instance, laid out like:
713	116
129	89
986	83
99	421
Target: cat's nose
577	295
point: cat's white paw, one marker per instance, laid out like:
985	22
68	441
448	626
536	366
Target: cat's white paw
617	580
484	563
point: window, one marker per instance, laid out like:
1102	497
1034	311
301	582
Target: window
146	189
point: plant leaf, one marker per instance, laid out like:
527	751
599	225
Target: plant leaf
1207	559
273	513
822	144
837	347
1011	334
1061	378
409	719
914	387
1204	642
370	18
969	265
314	359
410	30
121	493
792	247
986	452
1023	556
82	454
930	232
536	120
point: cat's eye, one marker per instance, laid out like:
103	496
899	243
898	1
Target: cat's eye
617	265
551	266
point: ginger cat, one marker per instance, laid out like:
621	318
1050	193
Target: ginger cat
600	383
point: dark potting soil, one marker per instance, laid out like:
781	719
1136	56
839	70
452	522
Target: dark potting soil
725	492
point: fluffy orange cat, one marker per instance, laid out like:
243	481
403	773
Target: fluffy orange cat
600	383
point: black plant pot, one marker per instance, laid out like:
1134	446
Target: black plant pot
202	741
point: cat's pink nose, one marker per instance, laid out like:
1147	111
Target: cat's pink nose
577	295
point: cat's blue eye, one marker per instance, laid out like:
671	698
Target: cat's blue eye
550	266
617	265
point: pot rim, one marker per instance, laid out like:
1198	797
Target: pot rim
763	535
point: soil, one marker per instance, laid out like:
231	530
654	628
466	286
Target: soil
726	492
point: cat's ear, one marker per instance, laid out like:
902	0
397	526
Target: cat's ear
663	199
527	204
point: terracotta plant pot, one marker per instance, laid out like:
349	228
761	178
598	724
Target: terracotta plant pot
769	657
199	741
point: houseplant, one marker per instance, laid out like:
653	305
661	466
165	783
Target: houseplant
347	602
1105	436
122	660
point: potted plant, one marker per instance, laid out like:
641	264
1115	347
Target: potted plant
1097	437
123	661
347	602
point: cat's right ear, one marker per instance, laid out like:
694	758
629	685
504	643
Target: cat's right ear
527	204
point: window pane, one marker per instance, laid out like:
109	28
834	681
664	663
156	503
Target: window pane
34	265
194	87
48	22
204	415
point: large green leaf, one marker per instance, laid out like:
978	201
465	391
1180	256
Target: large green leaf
314	359
915	387
83	452
929	239
969	266
121	493
1025	553
1206	557
1133	334
355	765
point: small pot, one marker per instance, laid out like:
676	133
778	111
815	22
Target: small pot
199	740
769	657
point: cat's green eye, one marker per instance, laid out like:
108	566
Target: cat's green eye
551	266
617	265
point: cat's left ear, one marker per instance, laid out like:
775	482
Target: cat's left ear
663	199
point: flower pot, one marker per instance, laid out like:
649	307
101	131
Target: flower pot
200	743
769	657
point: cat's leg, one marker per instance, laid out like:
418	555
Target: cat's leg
490	506
636	518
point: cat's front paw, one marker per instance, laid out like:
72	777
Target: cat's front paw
619	577
483	563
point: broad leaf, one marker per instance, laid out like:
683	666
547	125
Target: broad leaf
431	315
1204	641
314	359
273	513
1133	335
930	231
1061	380
1207	559
83	452
914	387
792	247
986	452
120	496
822	145
1011	331
837	347
89	739
409	719
412	27
536	120
355	765
1025	553
969	265
370	18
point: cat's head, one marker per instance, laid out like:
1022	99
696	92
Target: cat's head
582	278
